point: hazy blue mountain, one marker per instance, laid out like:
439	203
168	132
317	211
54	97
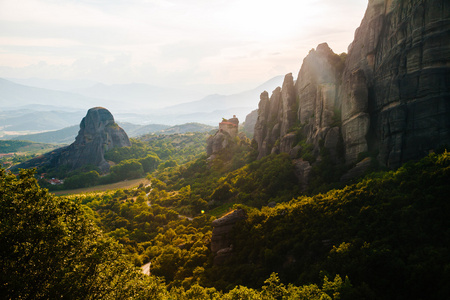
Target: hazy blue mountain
54	84
141	96
212	118
248	99
63	136
185	128
134	130
32	120
67	135
41	107
16	95
44	109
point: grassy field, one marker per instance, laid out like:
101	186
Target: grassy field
101	188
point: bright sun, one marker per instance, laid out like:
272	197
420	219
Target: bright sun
271	20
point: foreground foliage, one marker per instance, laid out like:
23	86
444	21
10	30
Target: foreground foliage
52	249
389	233
386	237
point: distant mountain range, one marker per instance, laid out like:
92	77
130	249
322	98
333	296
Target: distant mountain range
54	84
33	120
143	96
211	103
13	95
63	136
67	135
37	108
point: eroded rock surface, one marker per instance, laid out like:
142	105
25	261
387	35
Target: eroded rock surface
250	122
228	131
221	235
390	95
98	133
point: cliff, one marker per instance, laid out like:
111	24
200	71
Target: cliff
390	96
400	58
250	122
221	243
224	137
98	133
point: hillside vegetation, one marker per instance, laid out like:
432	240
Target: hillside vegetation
20	151
389	233
53	249
144	156
27	147
386	236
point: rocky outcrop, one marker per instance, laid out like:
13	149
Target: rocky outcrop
317	89
217	142
302	170
390	95
221	244
276	116
98	133
307	111
250	122
407	77
224	137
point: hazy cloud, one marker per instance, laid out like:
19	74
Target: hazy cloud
196	42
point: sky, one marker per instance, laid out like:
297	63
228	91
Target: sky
206	45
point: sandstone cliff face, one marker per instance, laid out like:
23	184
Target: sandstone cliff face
224	137
309	107
392	97
250	122
221	235
217	142
275	116
98	133
409	93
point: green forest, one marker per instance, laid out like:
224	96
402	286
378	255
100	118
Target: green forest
20	151
146	154
385	236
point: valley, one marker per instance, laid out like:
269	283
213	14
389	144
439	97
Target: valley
333	184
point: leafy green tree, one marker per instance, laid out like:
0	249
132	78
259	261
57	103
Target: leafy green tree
149	163
127	169
51	249
82	180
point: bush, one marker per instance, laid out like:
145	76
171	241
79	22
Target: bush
127	169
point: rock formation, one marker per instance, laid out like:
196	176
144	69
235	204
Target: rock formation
228	130
250	121
389	96
221	235
98	133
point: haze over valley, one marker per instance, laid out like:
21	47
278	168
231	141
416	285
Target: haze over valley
167	149
66	57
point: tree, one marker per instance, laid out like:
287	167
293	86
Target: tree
51	249
82	180
150	163
127	169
